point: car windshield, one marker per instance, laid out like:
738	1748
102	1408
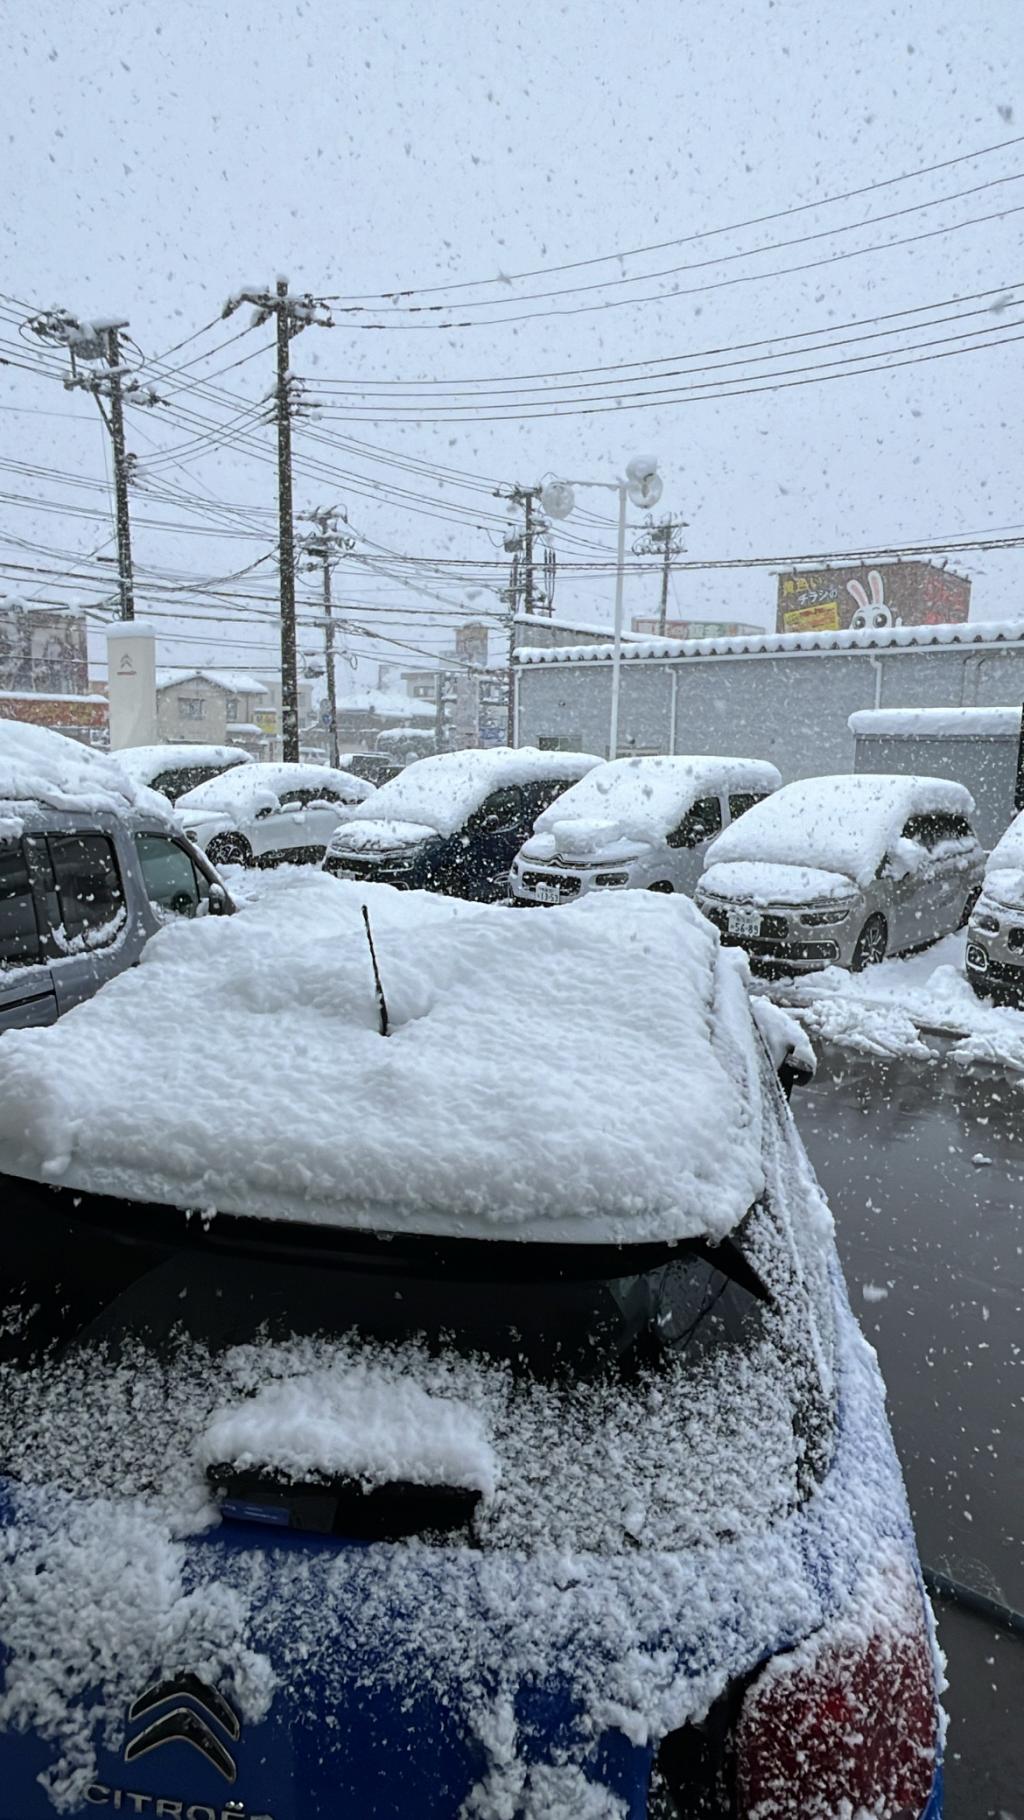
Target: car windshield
129	1312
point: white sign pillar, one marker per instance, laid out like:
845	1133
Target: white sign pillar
131	682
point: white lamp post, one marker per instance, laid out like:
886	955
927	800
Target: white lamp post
642	486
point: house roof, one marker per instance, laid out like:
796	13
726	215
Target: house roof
776	644
233	682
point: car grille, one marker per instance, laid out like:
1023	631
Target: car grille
773	928
567	887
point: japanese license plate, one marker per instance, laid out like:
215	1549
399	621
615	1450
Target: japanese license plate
744	922
549	894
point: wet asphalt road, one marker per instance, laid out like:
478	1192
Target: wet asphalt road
924	1169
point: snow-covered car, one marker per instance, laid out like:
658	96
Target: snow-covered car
262	814
91	865
377	767
995	935
842	871
636	822
454	822
174	768
462	1417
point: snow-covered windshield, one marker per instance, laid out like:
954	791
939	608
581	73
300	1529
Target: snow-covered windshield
441	792
842	825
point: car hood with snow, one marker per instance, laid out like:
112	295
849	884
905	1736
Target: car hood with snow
553	1080
624	807
824	836
1004	873
357	836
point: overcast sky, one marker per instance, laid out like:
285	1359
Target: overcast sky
158	158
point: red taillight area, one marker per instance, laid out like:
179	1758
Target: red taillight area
844	1728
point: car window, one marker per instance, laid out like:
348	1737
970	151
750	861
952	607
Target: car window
89	890
174	783
934	827
168	874
698	825
19	931
502	809
542	792
738	805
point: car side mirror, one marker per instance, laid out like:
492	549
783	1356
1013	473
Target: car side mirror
218	901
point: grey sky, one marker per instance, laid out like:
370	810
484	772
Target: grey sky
159	157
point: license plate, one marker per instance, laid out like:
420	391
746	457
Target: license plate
549	894
744	922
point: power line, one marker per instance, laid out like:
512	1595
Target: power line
661	246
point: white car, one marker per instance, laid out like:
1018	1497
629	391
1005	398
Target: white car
639	822
995	936
261	814
178	766
843	871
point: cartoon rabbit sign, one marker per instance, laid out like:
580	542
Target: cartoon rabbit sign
872	615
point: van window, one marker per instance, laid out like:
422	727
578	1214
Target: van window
738	805
698	825
933	827
502	809
91	897
168	874
19	932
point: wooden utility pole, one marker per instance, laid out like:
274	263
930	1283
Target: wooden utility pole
292	314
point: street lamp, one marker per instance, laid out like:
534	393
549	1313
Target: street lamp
641	486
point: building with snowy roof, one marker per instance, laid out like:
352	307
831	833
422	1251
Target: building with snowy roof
786	697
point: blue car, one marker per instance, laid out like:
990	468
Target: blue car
572	1498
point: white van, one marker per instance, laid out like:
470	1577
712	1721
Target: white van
642	823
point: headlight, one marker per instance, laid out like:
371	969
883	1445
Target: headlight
815	918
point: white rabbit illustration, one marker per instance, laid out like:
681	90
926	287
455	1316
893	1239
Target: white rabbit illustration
873	615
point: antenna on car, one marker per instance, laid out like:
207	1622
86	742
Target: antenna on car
382	1003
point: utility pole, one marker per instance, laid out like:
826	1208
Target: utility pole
520	585
662	538
89	342
329	543
292	314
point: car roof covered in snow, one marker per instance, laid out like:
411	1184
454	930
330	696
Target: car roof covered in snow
247	788
565	1077
144	763
39	766
836	824
649	796
439	792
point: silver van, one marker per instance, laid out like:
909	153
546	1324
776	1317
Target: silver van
842	871
91	865
995	937
639	823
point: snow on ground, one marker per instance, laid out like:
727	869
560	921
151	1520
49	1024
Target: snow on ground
567	1076
895	1008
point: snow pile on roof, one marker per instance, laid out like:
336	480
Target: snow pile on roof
842	825
245	789
777	644
40	766
937	723
563	1076
233	682
648	797
439	792
356	1421
143	763
390	704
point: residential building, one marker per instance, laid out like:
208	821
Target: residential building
215	707
44	671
